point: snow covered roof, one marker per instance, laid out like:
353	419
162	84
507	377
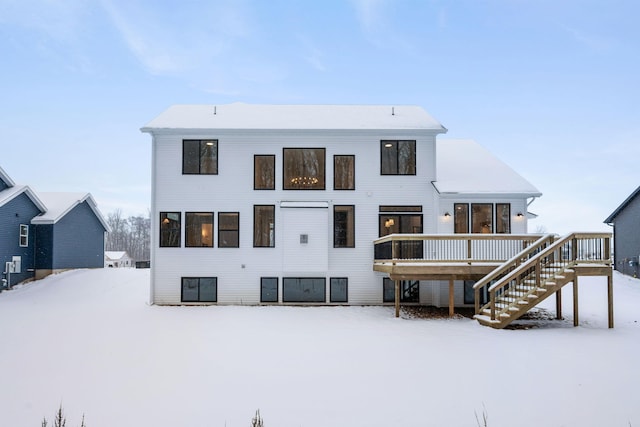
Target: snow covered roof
465	167
116	255
253	116
11	193
6	178
59	204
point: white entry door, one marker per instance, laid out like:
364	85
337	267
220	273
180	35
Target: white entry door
306	236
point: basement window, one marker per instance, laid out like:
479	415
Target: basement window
199	289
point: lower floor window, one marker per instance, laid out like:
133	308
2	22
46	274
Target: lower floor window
409	290
268	289
199	289
338	289
470	293
304	289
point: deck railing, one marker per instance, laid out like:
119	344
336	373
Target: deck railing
542	262
451	248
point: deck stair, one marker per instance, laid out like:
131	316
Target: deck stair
533	275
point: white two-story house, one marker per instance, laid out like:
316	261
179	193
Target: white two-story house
280	204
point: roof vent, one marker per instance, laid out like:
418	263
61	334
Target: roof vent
215	110
393	111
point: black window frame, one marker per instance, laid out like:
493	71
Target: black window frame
335	299
164	229
350	227
224	231
352	185
500	222
273	238
286	296
187	227
461	218
200	159
287	181
273	169
199	299
273	299
391	147
404	285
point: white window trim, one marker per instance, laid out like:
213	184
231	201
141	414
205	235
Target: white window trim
24	235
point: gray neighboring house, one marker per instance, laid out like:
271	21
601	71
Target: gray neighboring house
626	235
44	233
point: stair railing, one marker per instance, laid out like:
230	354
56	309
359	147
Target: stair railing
562	254
481	288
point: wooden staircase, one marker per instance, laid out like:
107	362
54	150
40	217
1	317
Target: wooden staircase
536	273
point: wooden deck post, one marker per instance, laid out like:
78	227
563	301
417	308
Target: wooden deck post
559	304
397	298
451	297
610	298
575	301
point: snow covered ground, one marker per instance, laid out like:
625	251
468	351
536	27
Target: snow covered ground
88	339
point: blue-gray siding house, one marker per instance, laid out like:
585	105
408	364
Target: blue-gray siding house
46	233
626	235
70	234
18	205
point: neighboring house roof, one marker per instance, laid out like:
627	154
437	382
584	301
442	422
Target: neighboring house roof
465	167
116	255
611	218
11	193
59	204
6	178
252	116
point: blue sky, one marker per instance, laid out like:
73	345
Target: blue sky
550	87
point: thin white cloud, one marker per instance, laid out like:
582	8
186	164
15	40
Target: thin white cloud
165	47
593	42
369	13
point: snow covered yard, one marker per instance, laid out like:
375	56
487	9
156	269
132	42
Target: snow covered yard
88	339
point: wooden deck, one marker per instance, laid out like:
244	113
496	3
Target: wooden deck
514	272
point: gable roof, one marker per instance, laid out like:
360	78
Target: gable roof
116	255
611	218
60	204
11	193
465	167
254	116
6	178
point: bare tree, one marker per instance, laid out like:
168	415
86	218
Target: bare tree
132	234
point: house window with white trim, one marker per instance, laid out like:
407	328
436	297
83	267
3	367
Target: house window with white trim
24	235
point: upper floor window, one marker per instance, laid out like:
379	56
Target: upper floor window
200	157
344	172
397	157
304	169
199	229
24	235
264	172
228	229
170	229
